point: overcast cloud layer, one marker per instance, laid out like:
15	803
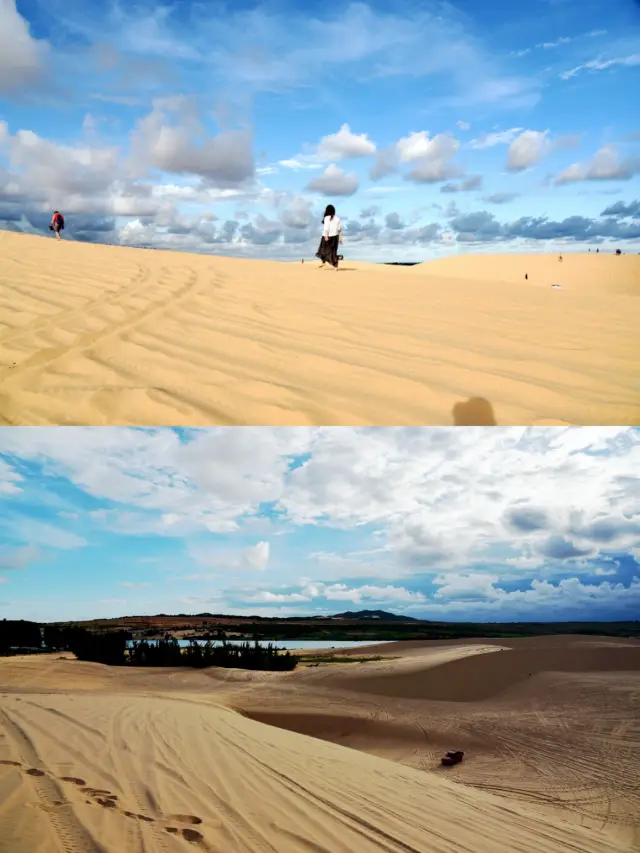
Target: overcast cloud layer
226	129
500	524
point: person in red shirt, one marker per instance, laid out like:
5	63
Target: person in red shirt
57	223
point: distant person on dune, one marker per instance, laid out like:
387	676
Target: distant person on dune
331	238
57	223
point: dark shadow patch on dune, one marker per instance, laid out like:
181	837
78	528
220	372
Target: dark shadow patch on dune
486	675
377	737
337	728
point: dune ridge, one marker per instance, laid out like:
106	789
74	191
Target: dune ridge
129	760
106	335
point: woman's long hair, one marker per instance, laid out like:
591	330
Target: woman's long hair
329	211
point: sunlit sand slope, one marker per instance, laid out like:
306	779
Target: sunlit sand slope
102	773
107	335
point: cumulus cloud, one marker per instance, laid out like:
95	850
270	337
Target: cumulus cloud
171	139
343	145
23	58
257	556
393	221
385	163
476	227
623	210
605	165
334	181
298	214
528	148
431	158
42	170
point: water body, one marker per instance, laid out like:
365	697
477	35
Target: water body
297	644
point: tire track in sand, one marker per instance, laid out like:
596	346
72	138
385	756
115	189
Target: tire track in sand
86	340
40	324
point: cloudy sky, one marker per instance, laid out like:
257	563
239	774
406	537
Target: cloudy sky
500	524
434	127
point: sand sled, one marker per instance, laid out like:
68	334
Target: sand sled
452	756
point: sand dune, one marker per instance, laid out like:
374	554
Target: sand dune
109	335
125	761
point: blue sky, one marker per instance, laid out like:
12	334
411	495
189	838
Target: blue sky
434	127
487	525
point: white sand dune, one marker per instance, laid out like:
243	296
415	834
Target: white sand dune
108	335
126	761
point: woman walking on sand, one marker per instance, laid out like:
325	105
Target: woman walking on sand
331	238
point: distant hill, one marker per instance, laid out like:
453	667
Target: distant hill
378	615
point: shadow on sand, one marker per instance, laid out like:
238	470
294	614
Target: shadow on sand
476	411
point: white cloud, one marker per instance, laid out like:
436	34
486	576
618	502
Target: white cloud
602	65
558	42
334	181
463	125
368	593
440	500
464	586
501	137
342	145
478	596
431	157
298	165
527	149
46	168
9	479
257	556
23	59
266	597
605	165
170	138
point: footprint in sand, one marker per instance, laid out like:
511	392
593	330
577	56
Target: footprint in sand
106	802
192	835
32	771
185	818
10	763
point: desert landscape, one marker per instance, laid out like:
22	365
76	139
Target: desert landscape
106	335
328	758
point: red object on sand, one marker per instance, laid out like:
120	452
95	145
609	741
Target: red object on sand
453	756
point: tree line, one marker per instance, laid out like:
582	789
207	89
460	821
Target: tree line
19	635
116	648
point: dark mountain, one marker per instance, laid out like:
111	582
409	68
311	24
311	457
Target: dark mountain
377	615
